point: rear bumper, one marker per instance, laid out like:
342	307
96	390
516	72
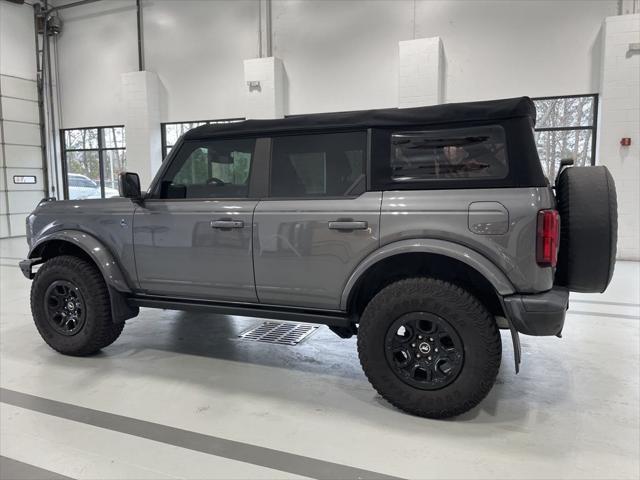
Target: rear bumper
539	314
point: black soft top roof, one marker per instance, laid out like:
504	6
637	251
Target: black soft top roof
438	114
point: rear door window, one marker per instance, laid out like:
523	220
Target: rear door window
319	165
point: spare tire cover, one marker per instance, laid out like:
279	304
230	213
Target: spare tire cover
588	208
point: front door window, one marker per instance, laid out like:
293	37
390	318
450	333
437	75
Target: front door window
209	169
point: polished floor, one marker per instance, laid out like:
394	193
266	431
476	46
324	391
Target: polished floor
180	396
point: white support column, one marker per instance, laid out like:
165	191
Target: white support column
264	84
421	72
141	94
620	118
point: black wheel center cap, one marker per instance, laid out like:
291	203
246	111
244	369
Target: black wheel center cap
424	348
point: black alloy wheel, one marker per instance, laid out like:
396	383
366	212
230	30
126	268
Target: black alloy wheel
424	350
65	307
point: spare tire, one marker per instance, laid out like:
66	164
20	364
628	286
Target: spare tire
588	208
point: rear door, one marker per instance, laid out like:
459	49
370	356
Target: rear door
318	221
193	238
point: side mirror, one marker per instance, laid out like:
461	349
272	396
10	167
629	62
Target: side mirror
130	186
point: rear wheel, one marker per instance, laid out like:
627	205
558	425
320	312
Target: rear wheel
71	308
429	347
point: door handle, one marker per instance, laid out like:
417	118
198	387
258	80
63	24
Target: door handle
348	225
227	224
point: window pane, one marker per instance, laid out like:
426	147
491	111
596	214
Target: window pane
195	169
448	154
564	112
81	138
83	175
318	165
114	164
555	145
210	169
175	130
113	137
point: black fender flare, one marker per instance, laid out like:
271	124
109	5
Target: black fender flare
113	275
485	267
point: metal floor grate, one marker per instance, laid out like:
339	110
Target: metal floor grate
282	333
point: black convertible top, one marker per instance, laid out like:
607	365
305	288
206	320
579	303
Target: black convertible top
438	114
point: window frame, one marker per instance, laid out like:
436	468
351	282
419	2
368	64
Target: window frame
266	183
593	127
164	148
101	154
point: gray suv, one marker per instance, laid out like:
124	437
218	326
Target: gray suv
422	231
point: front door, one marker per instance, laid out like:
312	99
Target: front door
318	223
193	237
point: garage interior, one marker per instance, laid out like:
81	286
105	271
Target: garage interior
92	88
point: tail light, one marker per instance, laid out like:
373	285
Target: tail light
548	238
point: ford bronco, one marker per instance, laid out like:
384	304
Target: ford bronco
423	231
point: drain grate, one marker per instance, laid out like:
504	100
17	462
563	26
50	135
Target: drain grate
282	333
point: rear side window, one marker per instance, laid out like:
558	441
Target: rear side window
319	165
460	153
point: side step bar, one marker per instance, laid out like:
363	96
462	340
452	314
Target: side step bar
333	319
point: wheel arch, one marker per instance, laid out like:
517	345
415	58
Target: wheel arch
442	259
86	246
75	242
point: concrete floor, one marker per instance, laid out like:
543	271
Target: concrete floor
179	396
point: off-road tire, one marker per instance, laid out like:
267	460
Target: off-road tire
475	326
588	207
98	330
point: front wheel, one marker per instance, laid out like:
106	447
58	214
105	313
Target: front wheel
71	307
429	347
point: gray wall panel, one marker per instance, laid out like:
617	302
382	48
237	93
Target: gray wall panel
23	156
18	88
19	110
21	133
18	225
24	201
4	226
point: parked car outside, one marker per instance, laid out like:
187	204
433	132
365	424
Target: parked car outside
82	187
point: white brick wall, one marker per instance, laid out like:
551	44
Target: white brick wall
267	101
620	117
142	99
421	72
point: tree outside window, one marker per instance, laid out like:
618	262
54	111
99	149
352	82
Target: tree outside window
93	159
565	128
171	132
